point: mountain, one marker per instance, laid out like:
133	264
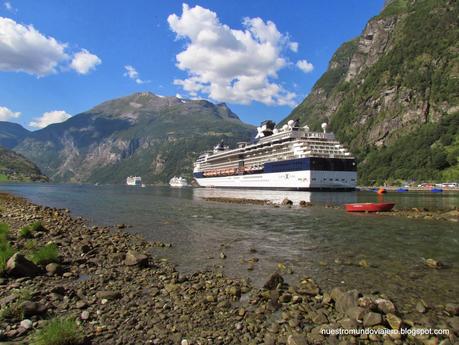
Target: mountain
142	134
15	167
391	94
11	134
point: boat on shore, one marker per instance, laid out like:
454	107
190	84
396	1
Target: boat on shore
369	207
178	182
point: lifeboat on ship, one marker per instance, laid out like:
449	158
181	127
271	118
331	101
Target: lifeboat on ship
369	207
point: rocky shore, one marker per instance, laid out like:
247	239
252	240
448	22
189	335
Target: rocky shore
68	282
451	214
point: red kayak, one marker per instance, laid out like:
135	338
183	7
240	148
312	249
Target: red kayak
369	207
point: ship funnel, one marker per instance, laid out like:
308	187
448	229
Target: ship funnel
324	127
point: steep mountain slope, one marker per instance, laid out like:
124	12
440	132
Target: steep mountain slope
15	167
392	94
143	134
11	134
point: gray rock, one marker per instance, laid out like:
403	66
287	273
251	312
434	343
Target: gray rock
372	319
421	307
346	301
287	202
274	280
54	268
33	308
136	259
356	313
454	323
296	340
385	306
26	324
394	321
19	266
84	315
452	309
108	295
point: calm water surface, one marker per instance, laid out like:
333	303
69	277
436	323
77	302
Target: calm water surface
324	243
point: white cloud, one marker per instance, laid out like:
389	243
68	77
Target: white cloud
24	49
132	73
305	66
230	65
293	46
7	114
83	62
49	118
8	6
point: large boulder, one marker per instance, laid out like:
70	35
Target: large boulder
136	259
273	281
19	266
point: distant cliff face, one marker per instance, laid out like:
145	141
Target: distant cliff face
396	84
15	167
143	134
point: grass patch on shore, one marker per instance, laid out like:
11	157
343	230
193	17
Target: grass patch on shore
25	232
45	255
4	231
28	230
15	310
59	331
6	250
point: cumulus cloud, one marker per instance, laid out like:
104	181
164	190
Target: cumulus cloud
49	118
132	73
24	49
231	65
83	62
305	66
7	114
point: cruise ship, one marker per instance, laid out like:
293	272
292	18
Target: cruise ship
134	181
291	158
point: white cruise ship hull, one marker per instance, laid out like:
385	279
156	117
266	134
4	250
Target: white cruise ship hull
292	180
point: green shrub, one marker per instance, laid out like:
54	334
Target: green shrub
28	230
59	331
14	310
45	255
37	226
6	251
25	232
4	230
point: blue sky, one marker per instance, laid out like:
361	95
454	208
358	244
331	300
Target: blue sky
78	54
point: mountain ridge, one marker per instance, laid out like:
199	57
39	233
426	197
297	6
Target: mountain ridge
15	167
395	82
139	134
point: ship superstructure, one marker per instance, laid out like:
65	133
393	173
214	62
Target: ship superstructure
134	181
291	157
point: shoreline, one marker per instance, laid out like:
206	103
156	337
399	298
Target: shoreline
450	214
111	282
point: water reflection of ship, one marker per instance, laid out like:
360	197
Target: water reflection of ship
276	195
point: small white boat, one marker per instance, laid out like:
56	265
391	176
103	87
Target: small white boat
134	181
178	182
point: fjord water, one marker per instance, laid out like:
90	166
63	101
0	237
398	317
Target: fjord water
325	243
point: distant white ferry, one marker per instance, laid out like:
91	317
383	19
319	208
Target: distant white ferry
178	182
291	157
134	181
